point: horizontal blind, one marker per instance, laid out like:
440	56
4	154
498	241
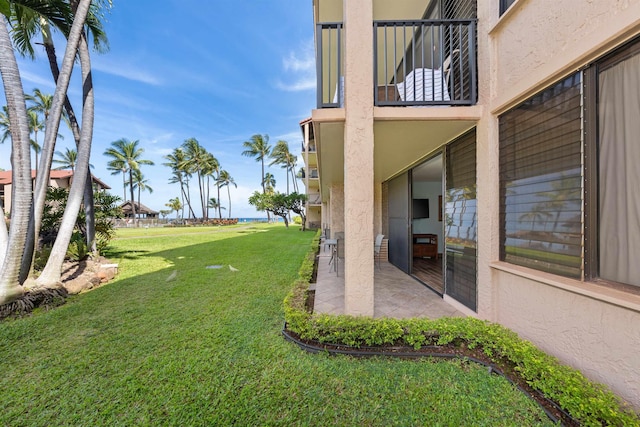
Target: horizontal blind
541	181
461	220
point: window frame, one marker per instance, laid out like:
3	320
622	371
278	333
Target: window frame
505	5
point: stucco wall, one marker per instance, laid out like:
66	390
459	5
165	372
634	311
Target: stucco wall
547	38
535	43
336	209
599	338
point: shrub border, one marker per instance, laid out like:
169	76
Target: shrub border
587	402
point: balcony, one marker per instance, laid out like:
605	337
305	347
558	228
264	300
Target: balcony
310	149
314	199
416	63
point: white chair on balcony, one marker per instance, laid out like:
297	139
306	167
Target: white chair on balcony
424	84
427	84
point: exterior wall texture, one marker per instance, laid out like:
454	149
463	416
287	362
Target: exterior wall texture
358	159
535	43
593	328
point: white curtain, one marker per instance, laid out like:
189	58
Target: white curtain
619	168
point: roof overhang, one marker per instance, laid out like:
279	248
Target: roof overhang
403	138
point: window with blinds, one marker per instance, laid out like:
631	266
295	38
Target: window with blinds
541	181
461	220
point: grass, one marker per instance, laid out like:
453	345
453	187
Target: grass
205	349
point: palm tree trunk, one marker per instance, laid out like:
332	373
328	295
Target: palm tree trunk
133	200
89	208
4	235
187	196
124	185
264	191
10	284
229	194
51	274
51	131
207	187
294	178
218	199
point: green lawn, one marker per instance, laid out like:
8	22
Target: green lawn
204	348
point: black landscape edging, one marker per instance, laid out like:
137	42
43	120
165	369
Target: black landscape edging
370	352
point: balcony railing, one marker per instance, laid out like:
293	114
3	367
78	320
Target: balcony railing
310	149
329	64
416	62
314	199
425	62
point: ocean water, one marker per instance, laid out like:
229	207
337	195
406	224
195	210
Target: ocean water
277	219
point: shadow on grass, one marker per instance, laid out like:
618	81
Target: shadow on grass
242	251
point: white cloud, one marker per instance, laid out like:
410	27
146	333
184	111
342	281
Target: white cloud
299	85
299	68
121	69
295	63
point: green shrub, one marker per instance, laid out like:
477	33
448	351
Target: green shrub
42	255
297	220
590	403
77	249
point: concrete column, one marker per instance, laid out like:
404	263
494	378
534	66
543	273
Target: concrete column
358	157
487	161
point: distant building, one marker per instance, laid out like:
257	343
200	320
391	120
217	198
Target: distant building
142	211
57	179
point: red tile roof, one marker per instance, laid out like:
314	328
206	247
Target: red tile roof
5	177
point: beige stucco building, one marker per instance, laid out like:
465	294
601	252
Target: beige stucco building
57	179
503	135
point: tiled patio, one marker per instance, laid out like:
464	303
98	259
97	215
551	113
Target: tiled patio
397	294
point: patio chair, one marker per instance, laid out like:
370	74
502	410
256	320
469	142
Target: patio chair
326	234
376	248
427	84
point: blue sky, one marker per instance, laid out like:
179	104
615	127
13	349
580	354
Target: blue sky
218	71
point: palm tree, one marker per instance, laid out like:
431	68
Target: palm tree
117	166
31	18
175	205
4	124
42	103
214	204
210	169
259	148
282	156
269	182
66	160
81	186
35	125
140	183
177	162
126	154
195	161
10	262
226	180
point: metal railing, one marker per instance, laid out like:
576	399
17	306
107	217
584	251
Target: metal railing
314	199
425	62
329	64
310	149
416	62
